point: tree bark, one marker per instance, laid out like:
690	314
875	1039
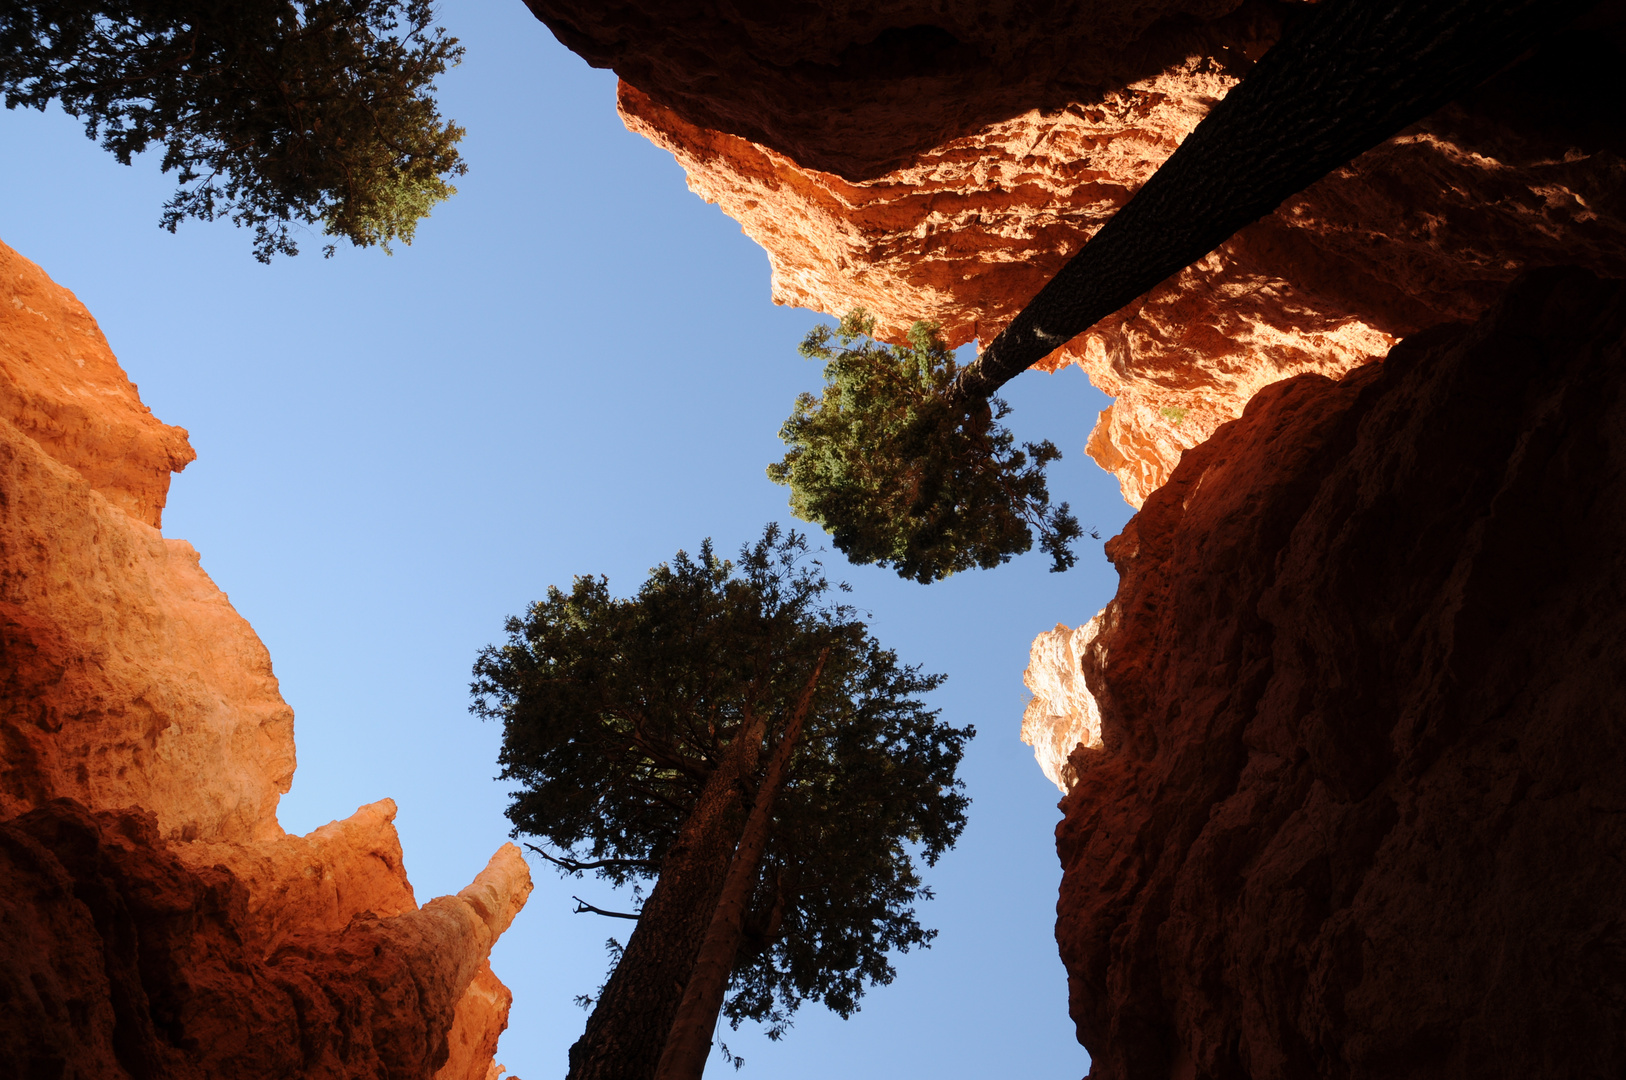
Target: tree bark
689	1043
1347	75
630	1022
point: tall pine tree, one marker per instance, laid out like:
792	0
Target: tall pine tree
641	733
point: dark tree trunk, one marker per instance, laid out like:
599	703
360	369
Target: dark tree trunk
689	1043
1346	76
630	1022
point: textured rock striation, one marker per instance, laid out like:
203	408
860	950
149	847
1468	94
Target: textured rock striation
964	225
157	921
1359	807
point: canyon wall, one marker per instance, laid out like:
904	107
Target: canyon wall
157	921
980	172
1360	801
859	88
1342	764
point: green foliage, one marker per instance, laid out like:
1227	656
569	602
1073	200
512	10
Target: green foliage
274	113
1173	413
902	477
615	711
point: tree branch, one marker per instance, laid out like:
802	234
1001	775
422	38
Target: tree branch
654	796
660	752
582	906
576	867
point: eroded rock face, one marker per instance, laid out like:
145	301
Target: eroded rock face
129	679
1358	810
122	960
157	920
63	389
1063	715
1526	171
857	89
318	881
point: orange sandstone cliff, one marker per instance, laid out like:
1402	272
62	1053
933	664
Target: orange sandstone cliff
156	921
942	161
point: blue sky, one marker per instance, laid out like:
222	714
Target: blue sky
575	369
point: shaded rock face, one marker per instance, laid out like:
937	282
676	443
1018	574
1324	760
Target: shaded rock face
857	89
1526	171
121	960
157	921
1361	801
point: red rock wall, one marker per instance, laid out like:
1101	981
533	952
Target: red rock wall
964	226
1359	807
858	88
1063	714
63	389
157	921
123	961
129	679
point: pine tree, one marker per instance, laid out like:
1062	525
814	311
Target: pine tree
903	476
641	732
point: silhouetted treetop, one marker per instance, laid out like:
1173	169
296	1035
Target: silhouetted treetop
618	713
903	475
273	113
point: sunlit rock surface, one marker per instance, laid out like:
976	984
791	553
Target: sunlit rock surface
1360	807
1526	171
61	387
1063	715
129	680
157	919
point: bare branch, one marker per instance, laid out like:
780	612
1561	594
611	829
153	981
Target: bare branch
582	906
577	867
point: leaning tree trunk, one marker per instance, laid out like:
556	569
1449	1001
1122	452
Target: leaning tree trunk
690	1040
1347	75
630	1022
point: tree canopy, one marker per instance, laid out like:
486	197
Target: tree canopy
906	476
617	711
273	113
